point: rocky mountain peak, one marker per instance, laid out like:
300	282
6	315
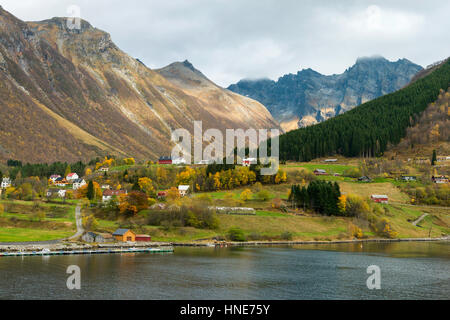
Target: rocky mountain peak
308	97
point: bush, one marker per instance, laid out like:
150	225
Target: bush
352	173
287	236
236	234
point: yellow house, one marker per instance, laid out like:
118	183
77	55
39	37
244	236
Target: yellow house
124	235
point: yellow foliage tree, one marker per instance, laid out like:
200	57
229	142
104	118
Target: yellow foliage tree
246	195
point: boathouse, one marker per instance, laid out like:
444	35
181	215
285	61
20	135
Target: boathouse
124	235
143	238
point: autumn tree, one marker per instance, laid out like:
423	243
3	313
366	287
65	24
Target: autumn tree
132	203
146	185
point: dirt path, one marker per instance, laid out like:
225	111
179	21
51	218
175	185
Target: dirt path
79	223
415	223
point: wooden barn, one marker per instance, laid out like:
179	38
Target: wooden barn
124	235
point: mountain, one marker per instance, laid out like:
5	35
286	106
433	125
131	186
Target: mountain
232	109
68	95
308	97
371	128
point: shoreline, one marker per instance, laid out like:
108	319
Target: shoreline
71	246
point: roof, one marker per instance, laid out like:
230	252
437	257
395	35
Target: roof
78	181
110	193
71	175
121	232
165	159
320	170
143	236
378	196
55	176
183	188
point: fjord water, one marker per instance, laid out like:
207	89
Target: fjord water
408	271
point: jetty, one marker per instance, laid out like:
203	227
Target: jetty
85	252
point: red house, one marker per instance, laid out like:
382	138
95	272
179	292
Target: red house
165	160
162	194
143	238
380	198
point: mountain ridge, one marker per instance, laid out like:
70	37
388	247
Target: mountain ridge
69	95
309	97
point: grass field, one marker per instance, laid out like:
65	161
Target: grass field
11	234
19	224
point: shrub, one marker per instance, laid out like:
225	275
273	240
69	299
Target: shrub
236	234
287	236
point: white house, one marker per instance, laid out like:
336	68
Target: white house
380	198
183	190
179	161
331	160
72	176
247	162
104	169
78	183
206	162
60	192
6	183
54	177
106	186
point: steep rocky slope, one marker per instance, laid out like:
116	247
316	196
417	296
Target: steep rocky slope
73	94
308	97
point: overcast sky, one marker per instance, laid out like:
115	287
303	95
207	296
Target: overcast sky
233	39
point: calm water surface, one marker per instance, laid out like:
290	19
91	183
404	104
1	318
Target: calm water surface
408	271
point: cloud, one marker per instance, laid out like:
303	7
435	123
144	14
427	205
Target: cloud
233	39
375	21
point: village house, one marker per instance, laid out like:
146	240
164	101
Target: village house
408	178
54	177
124	235
72	176
380	198
165	160
162	195
109	194
179	161
320	172
440	179
104	169
6	183
56	192
205	162
78	183
92	237
61	182
106	186
247	162
183	190
443	159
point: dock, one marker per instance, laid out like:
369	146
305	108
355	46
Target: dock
85	252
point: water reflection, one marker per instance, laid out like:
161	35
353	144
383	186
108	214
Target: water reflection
409	271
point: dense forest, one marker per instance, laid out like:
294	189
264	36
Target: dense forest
368	129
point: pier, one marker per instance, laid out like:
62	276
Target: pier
85	252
